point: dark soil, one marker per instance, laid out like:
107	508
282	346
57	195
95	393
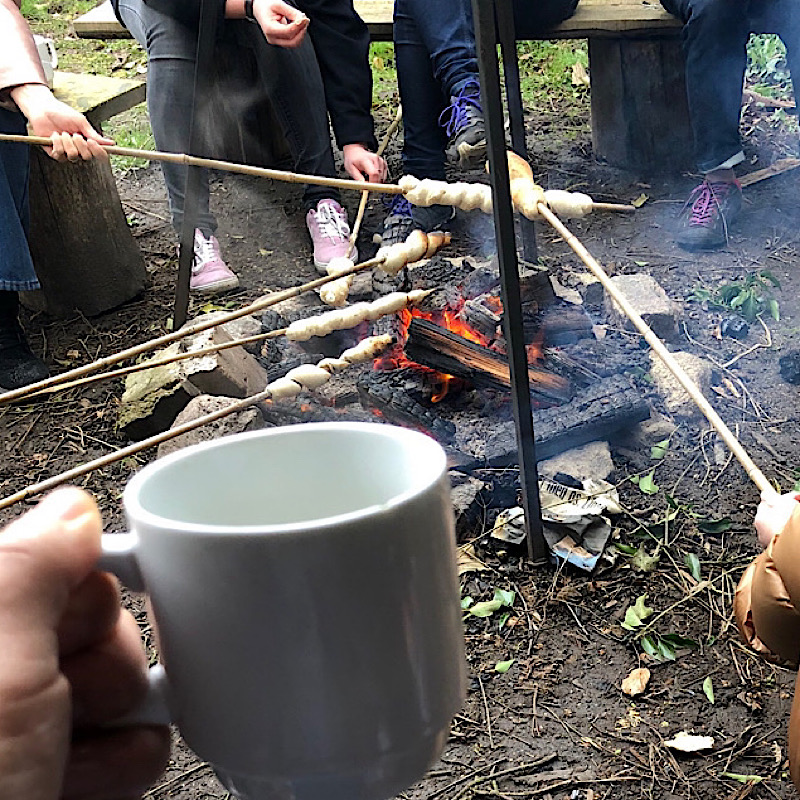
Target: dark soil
556	724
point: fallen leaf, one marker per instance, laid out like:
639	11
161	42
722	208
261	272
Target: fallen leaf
642	561
636	682
640	200
468	561
708	689
503	666
636	614
689	743
736	776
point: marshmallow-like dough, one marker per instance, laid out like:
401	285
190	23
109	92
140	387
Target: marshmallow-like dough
416	246
284	389
333	365
309	376
335	293
570	205
466	196
394	257
388	304
367	349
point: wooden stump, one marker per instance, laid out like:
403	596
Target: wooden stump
83	251
640	115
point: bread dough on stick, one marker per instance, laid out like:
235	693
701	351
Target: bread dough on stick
417	246
569	205
466	196
335	292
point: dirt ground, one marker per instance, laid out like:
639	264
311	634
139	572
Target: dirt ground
556	723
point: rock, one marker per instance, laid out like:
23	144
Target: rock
153	397
790	367
647	433
590	288
649	300
246	420
467	501
675	396
591	460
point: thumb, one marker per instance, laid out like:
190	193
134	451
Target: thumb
44	555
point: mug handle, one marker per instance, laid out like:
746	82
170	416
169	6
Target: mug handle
118	556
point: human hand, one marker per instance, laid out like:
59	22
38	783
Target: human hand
72	661
773	514
72	135
362	164
282	25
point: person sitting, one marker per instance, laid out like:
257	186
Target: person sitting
26	101
436	59
305	83
767	599
715	36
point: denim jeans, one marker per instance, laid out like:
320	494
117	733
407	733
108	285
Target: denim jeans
436	57
290	78
16	266
715	38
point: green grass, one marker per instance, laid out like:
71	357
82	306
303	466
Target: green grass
767	71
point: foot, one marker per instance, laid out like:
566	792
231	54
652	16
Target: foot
210	274
432	218
711	208
465	125
18	365
330	233
398	223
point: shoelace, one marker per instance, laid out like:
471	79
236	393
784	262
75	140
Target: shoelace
330	222
397	204
460	109
706	203
205	251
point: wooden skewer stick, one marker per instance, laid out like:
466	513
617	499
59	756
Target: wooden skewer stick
186	330
137	447
226	166
753	472
362	206
624	208
161	362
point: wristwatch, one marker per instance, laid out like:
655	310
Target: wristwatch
248	10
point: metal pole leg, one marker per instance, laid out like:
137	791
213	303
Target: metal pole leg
508	46
486	40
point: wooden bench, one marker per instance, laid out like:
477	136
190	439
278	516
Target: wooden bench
84	253
640	117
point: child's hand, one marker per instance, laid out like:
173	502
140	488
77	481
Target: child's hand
773	514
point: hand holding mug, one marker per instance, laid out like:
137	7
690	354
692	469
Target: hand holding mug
72	663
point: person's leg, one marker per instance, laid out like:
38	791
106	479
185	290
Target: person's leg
18	365
715	35
531	19
171	57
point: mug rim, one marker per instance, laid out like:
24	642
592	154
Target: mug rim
136	511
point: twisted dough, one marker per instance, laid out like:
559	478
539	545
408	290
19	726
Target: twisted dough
417	246
466	196
335	293
310	377
338	319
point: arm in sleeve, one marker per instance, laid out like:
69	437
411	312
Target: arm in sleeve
19	61
341	42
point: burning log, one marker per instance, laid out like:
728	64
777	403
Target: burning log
602	409
435	347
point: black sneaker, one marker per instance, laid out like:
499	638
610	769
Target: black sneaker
18	365
465	125
398	222
432	218
710	210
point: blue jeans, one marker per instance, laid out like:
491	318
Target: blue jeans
436	57
715	38
16	266
290	78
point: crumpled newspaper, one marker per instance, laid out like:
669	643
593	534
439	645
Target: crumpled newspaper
576	521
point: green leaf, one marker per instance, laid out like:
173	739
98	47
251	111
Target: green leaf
643	561
504	596
641	263
503	619
770	278
503	666
665	650
741	297
708	689
466	602
680	642
693	563
659	449
627	549
774	311
647	484
736	776
714	526
649	646
485	608
636	614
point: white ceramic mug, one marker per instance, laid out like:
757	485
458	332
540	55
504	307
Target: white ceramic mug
304	589
47	55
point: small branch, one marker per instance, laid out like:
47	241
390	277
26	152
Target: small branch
757	346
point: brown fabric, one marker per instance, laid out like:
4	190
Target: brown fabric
767	609
19	61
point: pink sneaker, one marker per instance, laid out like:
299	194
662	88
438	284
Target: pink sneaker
210	274
330	233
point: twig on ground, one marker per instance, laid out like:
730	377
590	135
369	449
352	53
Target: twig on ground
488	715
